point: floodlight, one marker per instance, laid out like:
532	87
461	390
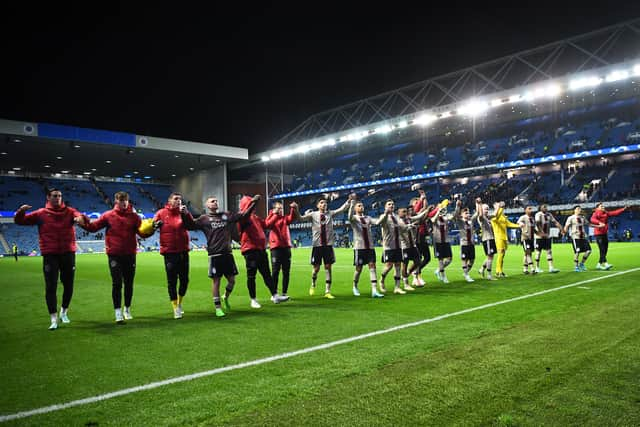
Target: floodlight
617	75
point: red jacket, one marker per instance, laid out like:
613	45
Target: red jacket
55	227
603	217
122	227
423	228
279	236
174	237
251	229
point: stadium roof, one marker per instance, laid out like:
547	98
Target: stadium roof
43	148
553	67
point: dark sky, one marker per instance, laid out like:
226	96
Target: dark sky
245	75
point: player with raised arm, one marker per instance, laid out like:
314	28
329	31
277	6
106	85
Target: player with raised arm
280	243
364	252
57	238
487	237
391	226
253	245
424	231
528	230
218	228
601	216
544	219
323	240
174	247
464	221
442	244
500	223
576	226
408	238
122	224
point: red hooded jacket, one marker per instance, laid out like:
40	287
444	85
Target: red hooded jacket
251	229
122	226
279	236
174	237
603	217
55	227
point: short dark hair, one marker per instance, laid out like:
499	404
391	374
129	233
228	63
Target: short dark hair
121	195
389	200
175	194
599	204
51	190
577	206
320	199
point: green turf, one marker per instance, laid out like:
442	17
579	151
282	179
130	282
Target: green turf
564	358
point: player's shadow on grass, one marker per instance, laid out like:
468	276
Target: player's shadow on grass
161	321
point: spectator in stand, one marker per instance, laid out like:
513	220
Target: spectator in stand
601	216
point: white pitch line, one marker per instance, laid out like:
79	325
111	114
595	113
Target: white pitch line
150	386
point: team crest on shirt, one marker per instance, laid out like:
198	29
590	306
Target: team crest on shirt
114	263
224	217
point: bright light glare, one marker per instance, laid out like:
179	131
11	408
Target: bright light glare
473	108
584	82
329	142
383	129
552	91
615	76
424	119
265	158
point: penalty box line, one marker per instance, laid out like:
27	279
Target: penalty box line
184	378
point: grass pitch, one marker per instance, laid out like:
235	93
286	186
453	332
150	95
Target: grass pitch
568	357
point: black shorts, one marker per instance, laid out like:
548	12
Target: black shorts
489	247
543	244
581	245
442	250
364	256
410	254
222	265
527	244
467	252
320	254
280	256
392	255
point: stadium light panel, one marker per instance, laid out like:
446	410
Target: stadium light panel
401	125
274	156
446	114
496	102
265	158
636	70
383	129
329	142
617	75
315	146
473	108
515	98
424	119
584	82
552	91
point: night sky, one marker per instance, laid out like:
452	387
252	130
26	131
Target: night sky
246	75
